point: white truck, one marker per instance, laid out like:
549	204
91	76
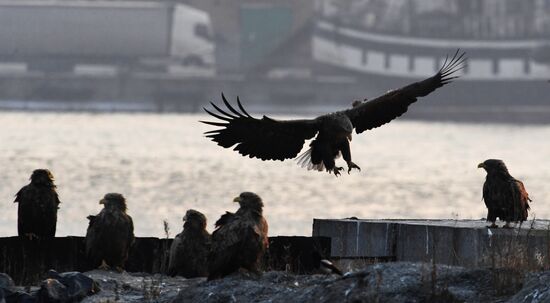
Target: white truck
61	34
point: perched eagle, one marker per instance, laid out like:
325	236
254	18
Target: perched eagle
504	195
38	205
190	248
270	139
110	234
240	240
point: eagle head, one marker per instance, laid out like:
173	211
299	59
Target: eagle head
194	219
337	125
42	176
249	200
114	201
493	166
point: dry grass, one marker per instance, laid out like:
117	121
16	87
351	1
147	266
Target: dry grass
166	227
512	255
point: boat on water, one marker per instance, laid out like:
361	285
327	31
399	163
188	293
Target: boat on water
392	42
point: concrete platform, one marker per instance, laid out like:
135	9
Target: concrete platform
467	243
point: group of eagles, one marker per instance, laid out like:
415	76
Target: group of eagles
240	239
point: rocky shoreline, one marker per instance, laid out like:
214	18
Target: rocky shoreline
384	282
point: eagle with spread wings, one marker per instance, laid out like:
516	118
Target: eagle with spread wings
271	139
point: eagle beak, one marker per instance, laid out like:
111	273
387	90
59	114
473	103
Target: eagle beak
481	165
102	201
184	218
237	199
349	137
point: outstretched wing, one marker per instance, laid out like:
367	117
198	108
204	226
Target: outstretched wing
393	104
266	138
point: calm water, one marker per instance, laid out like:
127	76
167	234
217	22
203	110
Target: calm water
163	165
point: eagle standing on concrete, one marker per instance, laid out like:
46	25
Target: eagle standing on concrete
240	240
270	139
110	234
38	205
190	248
504	195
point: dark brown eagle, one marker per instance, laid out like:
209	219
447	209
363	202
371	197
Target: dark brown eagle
38	205
240	240
270	139
504	195
190	248
110	234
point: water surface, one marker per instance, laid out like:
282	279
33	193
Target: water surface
164	165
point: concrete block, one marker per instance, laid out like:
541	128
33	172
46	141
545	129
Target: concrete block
343	234
376	239
294	254
442	244
467	243
356	238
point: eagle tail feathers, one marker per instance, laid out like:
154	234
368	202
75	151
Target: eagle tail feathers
304	160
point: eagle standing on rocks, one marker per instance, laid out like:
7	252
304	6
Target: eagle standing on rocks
190	248
240	240
504	195
270	139
38	205
110	234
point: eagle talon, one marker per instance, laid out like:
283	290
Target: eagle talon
336	170
351	166
104	266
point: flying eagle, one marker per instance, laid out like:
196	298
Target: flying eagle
110	234
38	205
504	195
240	240
270	139
190	248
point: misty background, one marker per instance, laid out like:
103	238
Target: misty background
284	56
107	95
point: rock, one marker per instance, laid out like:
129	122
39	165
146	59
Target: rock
9	293
137	287
536	289
6	282
16	297
77	285
51	290
387	282
66	287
